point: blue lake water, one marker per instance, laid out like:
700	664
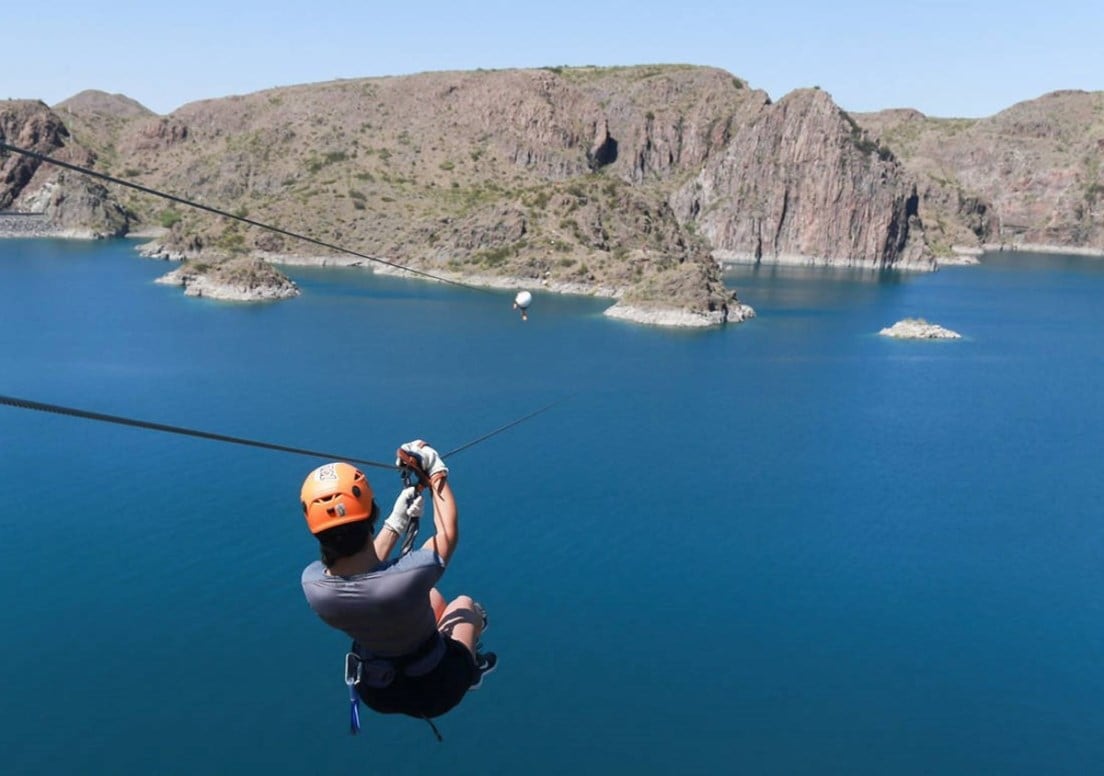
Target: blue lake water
789	546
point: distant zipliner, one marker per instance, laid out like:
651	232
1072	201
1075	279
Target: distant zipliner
522	302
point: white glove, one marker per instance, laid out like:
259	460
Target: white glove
409	504
432	463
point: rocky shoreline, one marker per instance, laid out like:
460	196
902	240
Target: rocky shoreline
37	226
646	314
1041	248
651	315
736	259
244	280
661	316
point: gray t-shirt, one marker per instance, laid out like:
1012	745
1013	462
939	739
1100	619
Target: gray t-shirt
387	610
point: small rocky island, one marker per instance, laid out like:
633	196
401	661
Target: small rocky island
236	280
918	328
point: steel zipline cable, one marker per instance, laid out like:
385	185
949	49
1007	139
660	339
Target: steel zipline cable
199	206
57	409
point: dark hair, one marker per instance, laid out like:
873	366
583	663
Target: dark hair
341	541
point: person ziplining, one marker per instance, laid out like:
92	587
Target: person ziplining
412	653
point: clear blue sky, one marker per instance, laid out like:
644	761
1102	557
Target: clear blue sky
944	58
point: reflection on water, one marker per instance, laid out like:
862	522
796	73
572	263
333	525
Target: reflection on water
1054	262
783	289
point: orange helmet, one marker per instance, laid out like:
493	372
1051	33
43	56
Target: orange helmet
335	494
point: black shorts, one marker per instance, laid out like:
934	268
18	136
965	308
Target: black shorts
428	695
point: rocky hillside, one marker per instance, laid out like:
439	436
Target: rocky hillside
625	181
1030	175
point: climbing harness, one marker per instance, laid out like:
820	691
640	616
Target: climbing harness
380	672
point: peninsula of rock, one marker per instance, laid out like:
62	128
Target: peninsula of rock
243	279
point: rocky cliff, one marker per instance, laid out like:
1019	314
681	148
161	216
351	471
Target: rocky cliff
73	204
800	182
1029	176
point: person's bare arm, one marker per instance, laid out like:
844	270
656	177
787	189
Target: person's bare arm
445	519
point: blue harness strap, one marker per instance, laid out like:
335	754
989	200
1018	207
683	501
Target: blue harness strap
352	677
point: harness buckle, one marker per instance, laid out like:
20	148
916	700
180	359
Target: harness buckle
353	667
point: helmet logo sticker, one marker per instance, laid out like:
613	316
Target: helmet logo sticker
327	473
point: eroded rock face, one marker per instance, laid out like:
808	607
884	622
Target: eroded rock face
74	205
1032	175
666	121
155	134
31	125
79	206
800	183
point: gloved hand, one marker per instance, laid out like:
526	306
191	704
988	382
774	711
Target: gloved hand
432	463
409	504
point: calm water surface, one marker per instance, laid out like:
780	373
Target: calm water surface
790	546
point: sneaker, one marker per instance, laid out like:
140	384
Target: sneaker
484	664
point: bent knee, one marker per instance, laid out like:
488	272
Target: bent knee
461	621
463	602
